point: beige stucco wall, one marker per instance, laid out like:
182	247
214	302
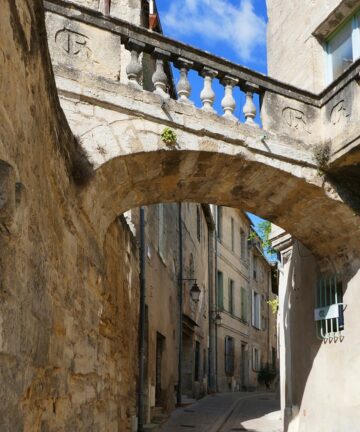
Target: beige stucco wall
234	266
318	379
239	267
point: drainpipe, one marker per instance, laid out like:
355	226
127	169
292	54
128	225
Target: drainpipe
179	387
212	312
216	302
141	394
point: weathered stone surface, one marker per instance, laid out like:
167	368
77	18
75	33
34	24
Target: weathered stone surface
61	292
66	361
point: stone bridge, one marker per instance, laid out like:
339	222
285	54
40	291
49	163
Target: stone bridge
67	362
102	67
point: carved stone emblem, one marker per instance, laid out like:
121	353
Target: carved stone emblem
339	113
296	119
73	43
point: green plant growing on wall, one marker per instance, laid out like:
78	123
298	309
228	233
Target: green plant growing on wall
321	155
274	304
168	136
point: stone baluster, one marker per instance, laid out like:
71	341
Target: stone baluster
207	95
228	103
184	86
159	77
134	68
249	107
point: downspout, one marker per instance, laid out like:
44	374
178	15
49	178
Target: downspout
216	302
212	311
141	393
179	386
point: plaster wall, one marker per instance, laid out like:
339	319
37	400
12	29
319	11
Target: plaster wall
263	339
234	265
319	387
237	265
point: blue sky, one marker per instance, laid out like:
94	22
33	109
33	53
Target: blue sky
234	29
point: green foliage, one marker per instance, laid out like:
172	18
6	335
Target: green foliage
264	230
266	375
168	136
274	304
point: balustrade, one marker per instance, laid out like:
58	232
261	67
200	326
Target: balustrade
207	96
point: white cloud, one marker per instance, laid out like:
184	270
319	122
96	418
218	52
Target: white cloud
218	21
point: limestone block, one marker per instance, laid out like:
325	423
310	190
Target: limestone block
341	117
295	119
78	46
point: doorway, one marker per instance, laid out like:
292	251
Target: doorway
160	344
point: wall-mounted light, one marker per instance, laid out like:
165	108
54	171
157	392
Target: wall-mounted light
195	291
218	319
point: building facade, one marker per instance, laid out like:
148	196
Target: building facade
311	46
246	333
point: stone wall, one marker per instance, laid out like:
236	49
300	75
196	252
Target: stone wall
67	313
295	56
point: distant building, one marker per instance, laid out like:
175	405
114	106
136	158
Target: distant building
246	332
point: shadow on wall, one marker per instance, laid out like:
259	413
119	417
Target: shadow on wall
303	363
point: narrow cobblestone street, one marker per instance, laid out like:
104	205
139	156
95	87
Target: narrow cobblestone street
228	412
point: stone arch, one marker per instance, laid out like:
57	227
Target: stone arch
312	213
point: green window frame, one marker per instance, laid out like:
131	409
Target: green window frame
244	304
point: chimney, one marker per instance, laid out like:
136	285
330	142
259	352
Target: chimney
152	15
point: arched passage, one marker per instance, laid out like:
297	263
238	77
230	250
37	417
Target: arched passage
313	214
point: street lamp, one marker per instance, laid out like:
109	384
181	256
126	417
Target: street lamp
195	290
218	319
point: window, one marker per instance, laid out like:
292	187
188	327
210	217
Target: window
161	230
244	304
256	310
343	47
229	355
256	359
219	221
231	296
220	290
255	266
242	245
232	234
329	312
197	361
198	223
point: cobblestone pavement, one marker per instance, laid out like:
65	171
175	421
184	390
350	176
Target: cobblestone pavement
228	412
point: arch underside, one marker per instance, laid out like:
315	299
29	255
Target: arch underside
303	209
